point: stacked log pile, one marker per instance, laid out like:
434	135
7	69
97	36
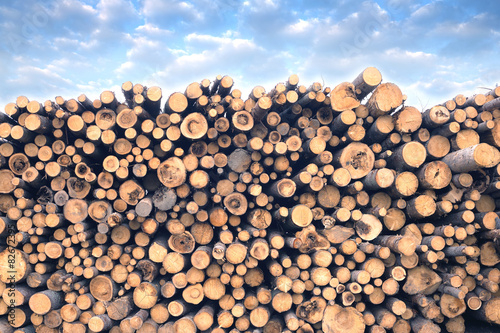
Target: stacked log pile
302	209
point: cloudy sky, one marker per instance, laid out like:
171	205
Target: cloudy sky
432	49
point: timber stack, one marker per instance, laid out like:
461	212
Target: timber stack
300	209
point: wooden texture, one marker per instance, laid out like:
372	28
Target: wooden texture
299	209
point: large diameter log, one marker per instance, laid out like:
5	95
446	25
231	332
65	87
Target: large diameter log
434	175
384	99
338	234
14	265
405	184
421	280
368	227
494	104
283	188
472	158
76	210
338	319
182	243
311	240
343	97
146	295
194	126
451	306
490	310
239	160
120	308
103	288
131	192
422	325
164	198
407	120
404	245
177	103
42	302
236	203
172	172
357	158
313	310
6	177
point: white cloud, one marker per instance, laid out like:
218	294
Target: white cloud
433	51
171	10
153	30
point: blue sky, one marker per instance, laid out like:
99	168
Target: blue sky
432	49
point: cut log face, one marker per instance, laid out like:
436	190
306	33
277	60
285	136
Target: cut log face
338	234
357	158
384	99
344	97
75	210
303	209
407	120
473	158
14	265
338	319
194	126
312	311
368	227
368	80
421	280
172	172
435	175
491	310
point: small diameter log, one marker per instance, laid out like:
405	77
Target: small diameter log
408	156
405	245
366	82
379	130
379	179
261	108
